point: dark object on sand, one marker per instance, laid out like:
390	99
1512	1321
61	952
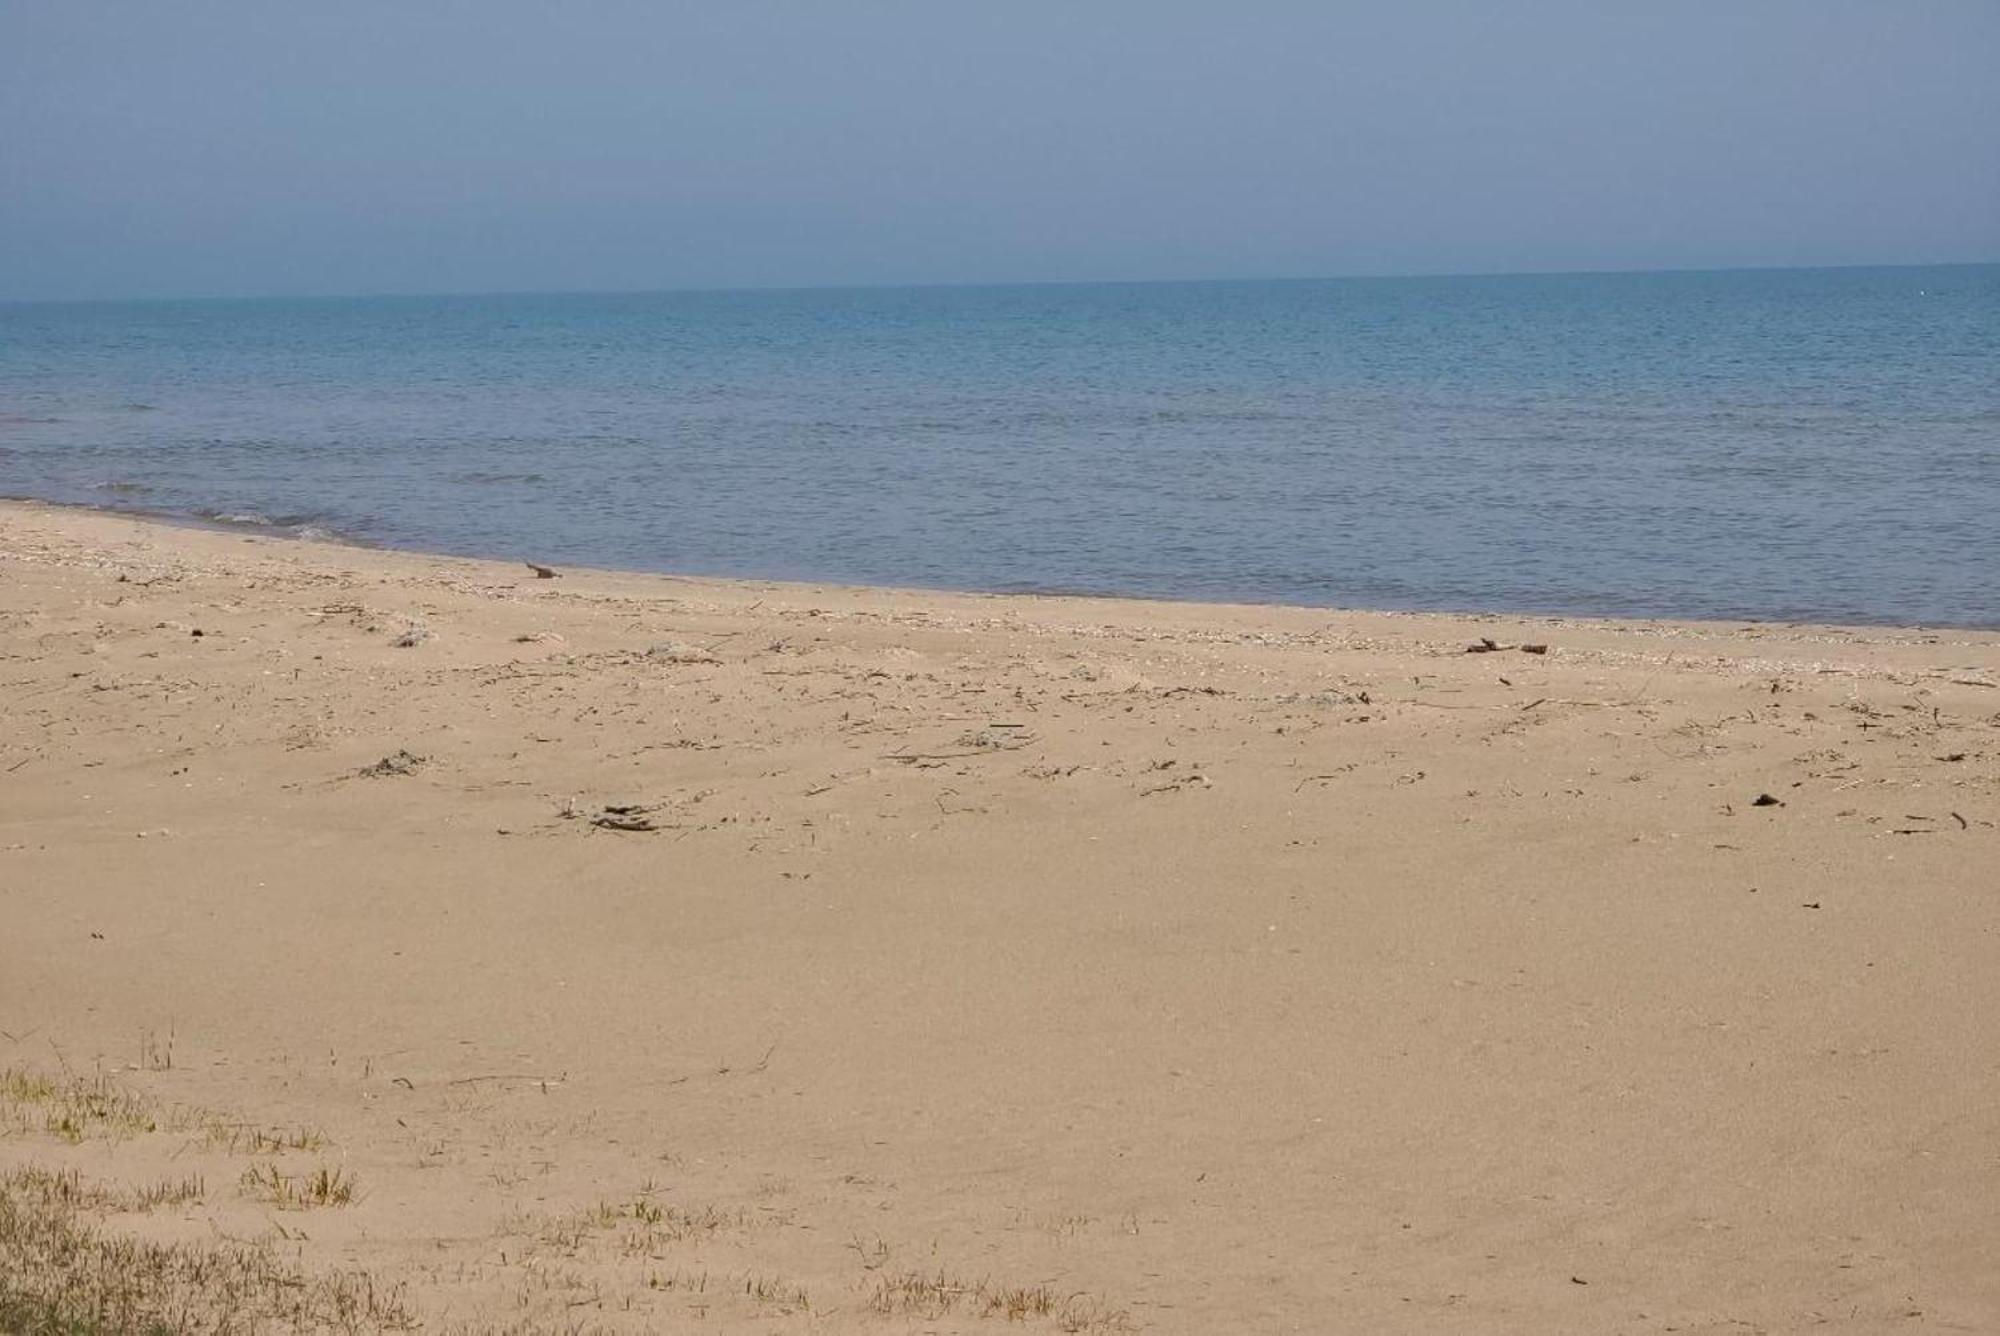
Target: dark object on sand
1534	649
614	816
399	763
1766	800
623	816
541	572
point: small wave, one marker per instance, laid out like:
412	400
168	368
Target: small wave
313	528
256	519
480	477
140	408
122	488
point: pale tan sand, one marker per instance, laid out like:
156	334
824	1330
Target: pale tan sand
1215	968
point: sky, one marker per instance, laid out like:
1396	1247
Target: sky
282	147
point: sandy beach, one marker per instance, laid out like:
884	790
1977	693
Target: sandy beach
447	944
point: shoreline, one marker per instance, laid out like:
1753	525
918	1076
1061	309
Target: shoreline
787	289
655	951
313	533
214	522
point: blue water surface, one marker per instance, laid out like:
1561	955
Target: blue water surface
1784	444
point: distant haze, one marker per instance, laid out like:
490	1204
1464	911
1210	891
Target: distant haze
237	147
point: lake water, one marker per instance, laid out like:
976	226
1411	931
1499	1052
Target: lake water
1784	444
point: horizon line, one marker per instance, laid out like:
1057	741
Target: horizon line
719	289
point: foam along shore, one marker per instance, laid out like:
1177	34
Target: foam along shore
619	951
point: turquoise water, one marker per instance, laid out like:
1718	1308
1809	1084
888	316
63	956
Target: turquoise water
1788	444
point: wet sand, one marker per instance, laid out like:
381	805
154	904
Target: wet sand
662	954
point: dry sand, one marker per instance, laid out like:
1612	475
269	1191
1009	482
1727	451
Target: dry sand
1171	968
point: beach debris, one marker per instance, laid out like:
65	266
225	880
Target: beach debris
1766	800
1185	780
197	633
613	816
623	816
998	737
960	810
1488	645
980	742
398	762
411	638
1326	697
675	651
542	572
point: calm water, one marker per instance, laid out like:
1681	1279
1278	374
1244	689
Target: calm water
1818	444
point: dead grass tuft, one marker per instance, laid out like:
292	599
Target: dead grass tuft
773	1292
62	1274
77	1108
73	1107
67	1189
156	1054
322	1187
642	1227
931	1297
239	1138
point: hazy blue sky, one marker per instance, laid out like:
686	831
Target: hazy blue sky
303	146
